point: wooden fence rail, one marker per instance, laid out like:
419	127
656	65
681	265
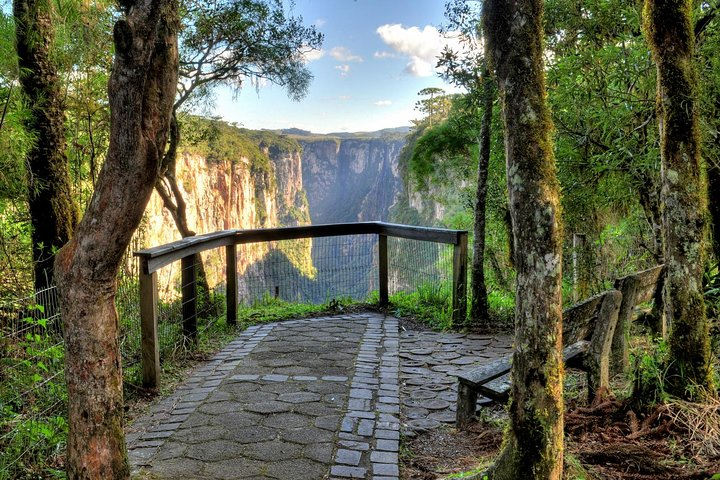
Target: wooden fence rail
185	250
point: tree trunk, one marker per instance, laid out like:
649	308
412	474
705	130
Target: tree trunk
534	443
53	214
650	202
479	301
141	92
669	31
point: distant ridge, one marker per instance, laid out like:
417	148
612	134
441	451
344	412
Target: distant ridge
385	132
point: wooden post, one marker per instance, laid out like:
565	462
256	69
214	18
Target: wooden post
150	350
189	297
620	357
597	359
459	290
231	293
466	405
383	270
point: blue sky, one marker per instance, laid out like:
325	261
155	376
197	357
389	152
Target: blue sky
376	56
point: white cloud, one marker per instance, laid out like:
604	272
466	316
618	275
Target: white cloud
344	69
344	98
383	103
422	47
384	54
320	22
312	55
342	54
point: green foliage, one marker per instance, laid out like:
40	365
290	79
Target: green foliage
231	42
430	303
711	284
218	141
33	399
270	309
650	373
501	306
607	151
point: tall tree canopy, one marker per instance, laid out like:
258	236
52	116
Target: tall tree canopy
232	43
468	69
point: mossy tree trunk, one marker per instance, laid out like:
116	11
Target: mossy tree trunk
478	300
670	34
534	442
141	92
53	213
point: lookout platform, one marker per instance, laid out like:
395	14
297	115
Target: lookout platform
307	399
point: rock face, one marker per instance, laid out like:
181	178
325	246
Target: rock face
351	180
283	181
234	193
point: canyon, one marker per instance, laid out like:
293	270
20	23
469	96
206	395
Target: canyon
276	179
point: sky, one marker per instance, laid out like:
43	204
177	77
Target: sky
377	55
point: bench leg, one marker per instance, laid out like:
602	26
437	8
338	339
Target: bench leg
466	404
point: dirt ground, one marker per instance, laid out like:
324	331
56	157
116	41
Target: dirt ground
606	441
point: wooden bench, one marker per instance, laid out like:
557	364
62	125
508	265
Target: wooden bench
588	329
637	288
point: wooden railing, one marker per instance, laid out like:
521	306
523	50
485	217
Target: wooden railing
185	250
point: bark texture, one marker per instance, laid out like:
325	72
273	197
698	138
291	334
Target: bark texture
479	301
669	31
53	214
534	442
141	91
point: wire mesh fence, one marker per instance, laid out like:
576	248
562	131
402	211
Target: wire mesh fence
315	270
191	304
417	266
33	402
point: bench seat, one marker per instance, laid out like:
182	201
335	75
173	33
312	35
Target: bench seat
492	380
588	329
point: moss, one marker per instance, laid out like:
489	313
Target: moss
669	31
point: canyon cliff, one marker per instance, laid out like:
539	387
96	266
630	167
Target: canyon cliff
351	180
241	179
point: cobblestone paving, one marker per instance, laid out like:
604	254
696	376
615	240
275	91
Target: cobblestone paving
428	361
306	399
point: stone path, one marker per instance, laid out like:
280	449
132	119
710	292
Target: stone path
306	399
428	361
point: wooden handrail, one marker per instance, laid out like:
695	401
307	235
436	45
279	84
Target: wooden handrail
152	259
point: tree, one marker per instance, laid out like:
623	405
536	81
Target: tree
435	106
534	441
231	43
468	68
53	214
670	34
141	92
607	151
707	36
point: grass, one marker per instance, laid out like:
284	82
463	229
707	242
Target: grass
429	303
